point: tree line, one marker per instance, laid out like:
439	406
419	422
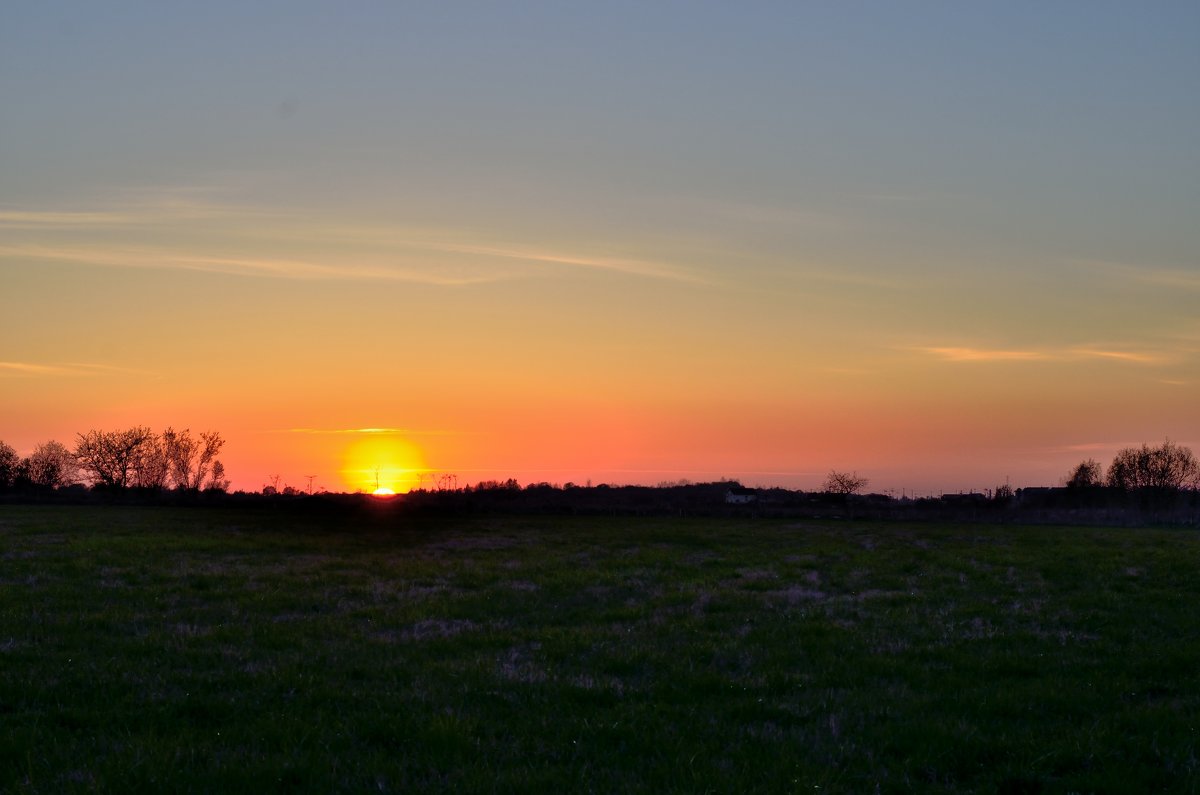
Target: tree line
132	458
139	458
1166	467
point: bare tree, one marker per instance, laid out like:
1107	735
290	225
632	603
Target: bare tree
217	481
109	458
1166	467
51	466
192	459
843	483
1086	475
152	467
10	466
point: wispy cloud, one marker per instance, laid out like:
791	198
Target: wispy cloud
633	267
1170	277
1176	278
28	368
367	432
894	198
1119	355
135	209
783	215
1087	447
956	354
34	369
340	431
1098	447
34	219
850	371
409	241
969	354
160	258
332	251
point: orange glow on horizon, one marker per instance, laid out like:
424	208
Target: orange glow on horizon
382	465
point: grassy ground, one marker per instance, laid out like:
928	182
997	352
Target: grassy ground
183	650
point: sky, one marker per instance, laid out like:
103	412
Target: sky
944	245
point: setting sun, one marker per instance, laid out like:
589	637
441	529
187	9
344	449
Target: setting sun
382	464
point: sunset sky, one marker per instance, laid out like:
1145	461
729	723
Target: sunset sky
943	244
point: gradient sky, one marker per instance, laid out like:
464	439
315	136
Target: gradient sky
943	244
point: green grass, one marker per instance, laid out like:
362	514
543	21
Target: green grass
174	650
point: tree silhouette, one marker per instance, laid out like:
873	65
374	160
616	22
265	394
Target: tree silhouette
843	483
193	459
10	466
217	480
1167	467
110	457
152	465
1086	475
141	458
51	466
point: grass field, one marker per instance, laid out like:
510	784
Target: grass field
176	650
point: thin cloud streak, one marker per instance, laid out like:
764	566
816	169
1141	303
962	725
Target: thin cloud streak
389	247
1088	447
633	267
158	207
784	216
954	354
166	259
1166	277
35	219
1178	278
967	354
63	369
436	240
1100	447
1123	356
367	431
27	368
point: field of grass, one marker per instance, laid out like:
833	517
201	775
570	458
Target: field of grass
203	650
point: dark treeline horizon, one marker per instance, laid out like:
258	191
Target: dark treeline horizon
1088	505
137	465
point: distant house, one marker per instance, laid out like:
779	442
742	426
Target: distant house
1037	493
740	495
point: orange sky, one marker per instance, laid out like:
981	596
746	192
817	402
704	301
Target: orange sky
760	246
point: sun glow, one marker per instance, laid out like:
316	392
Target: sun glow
382	465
